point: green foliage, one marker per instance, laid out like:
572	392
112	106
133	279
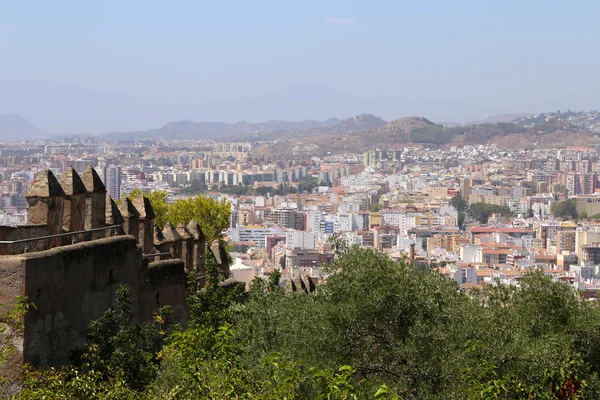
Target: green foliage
459	203
209	308
419	335
483	211
564	209
11	327
434	134
158	201
338	245
307	184
203	365
212	215
196	187
119	361
274	279
239	190
395	331
460	220
439	135
282	189
119	348
265	190
70	383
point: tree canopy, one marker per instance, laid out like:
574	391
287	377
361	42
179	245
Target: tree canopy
459	203
375	329
483	211
212	215
564	209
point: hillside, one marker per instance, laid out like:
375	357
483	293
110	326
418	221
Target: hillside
247	131
547	131
15	128
404	130
186	129
358	123
397	132
354	124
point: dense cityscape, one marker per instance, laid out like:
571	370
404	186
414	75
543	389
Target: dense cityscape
477	213
340	200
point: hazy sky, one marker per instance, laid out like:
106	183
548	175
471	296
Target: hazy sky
495	52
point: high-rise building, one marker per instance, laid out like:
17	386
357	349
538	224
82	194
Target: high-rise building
576	182
465	188
299	240
112	181
289	218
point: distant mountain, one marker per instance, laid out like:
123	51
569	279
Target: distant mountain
65	109
422	131
247	131
186	129
359	123
15	128
402	130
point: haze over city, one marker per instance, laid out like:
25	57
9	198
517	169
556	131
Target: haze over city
71	67
300	200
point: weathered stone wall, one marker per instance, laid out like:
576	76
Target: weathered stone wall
12	278
162	285
73	285
10	233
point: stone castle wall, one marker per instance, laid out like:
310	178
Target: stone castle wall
72	280
74	285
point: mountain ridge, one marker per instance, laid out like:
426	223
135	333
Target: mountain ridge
67	109
246	131
15	128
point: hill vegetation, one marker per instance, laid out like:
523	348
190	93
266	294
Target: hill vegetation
377	329
365	131
527	131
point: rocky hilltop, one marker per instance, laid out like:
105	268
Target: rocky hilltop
553	129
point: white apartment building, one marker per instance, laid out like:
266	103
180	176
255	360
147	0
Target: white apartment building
256	235
299	240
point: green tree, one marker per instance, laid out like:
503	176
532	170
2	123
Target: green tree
209	308
196	187
264	190
459	203
120	361
460	220
213	215
11	329
483	211
377	328
119	348
158	201
239	190
564	209
307	184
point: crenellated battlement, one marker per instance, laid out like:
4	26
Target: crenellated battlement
78	247
77	203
